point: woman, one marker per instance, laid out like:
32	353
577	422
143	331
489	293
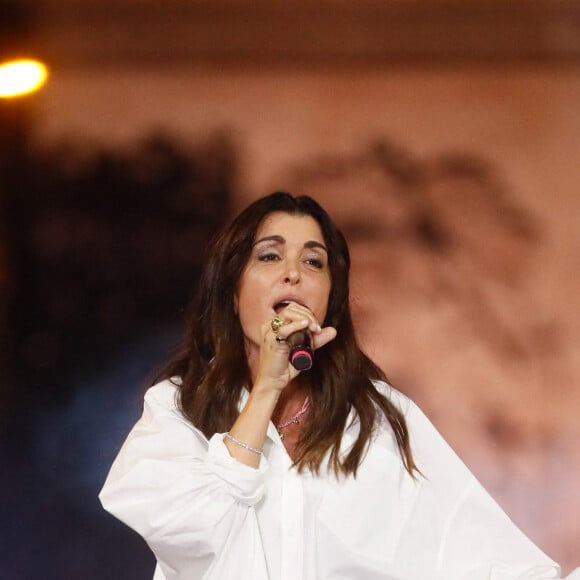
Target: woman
244	467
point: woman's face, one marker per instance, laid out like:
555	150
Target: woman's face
288	262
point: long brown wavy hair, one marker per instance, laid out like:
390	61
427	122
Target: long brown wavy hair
212	364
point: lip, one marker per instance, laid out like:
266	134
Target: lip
281	303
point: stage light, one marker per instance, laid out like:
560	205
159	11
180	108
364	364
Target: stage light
20	77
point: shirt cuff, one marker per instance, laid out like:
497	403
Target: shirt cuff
245	483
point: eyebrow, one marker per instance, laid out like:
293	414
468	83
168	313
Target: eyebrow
281	240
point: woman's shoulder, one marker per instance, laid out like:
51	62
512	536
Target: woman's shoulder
164	394
431	451
396	397
415	417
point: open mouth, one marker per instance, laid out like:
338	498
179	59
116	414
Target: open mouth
279	306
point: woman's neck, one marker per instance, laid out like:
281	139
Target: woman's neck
289	403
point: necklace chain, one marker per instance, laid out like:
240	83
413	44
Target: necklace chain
294	418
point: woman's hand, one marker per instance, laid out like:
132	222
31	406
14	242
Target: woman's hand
274	373
275	370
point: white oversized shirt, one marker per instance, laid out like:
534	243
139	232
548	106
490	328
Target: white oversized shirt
207	516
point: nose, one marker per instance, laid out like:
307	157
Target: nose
291	275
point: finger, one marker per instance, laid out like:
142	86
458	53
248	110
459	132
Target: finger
292	327
324	336
294	312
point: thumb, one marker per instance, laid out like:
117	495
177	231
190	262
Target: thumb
324	336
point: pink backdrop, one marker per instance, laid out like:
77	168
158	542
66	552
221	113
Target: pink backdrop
482	331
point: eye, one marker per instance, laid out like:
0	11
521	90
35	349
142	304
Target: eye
268	257
315	263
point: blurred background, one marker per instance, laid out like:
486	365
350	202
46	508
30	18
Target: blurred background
443	136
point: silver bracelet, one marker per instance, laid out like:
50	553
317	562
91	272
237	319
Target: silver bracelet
241	444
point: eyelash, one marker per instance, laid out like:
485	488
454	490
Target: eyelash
314	262
270	257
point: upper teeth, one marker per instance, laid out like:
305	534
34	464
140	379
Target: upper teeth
279	305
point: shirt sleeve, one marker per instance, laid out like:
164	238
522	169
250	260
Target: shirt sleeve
189	499
478	541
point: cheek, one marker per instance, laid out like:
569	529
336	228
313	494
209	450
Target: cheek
247	308
241	305
323	301
245	319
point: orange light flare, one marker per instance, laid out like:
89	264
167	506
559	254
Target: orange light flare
21	77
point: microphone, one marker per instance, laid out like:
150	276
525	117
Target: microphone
300	350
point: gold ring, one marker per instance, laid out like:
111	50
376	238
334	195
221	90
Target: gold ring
276	323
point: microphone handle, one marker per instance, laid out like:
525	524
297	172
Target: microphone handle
300	350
